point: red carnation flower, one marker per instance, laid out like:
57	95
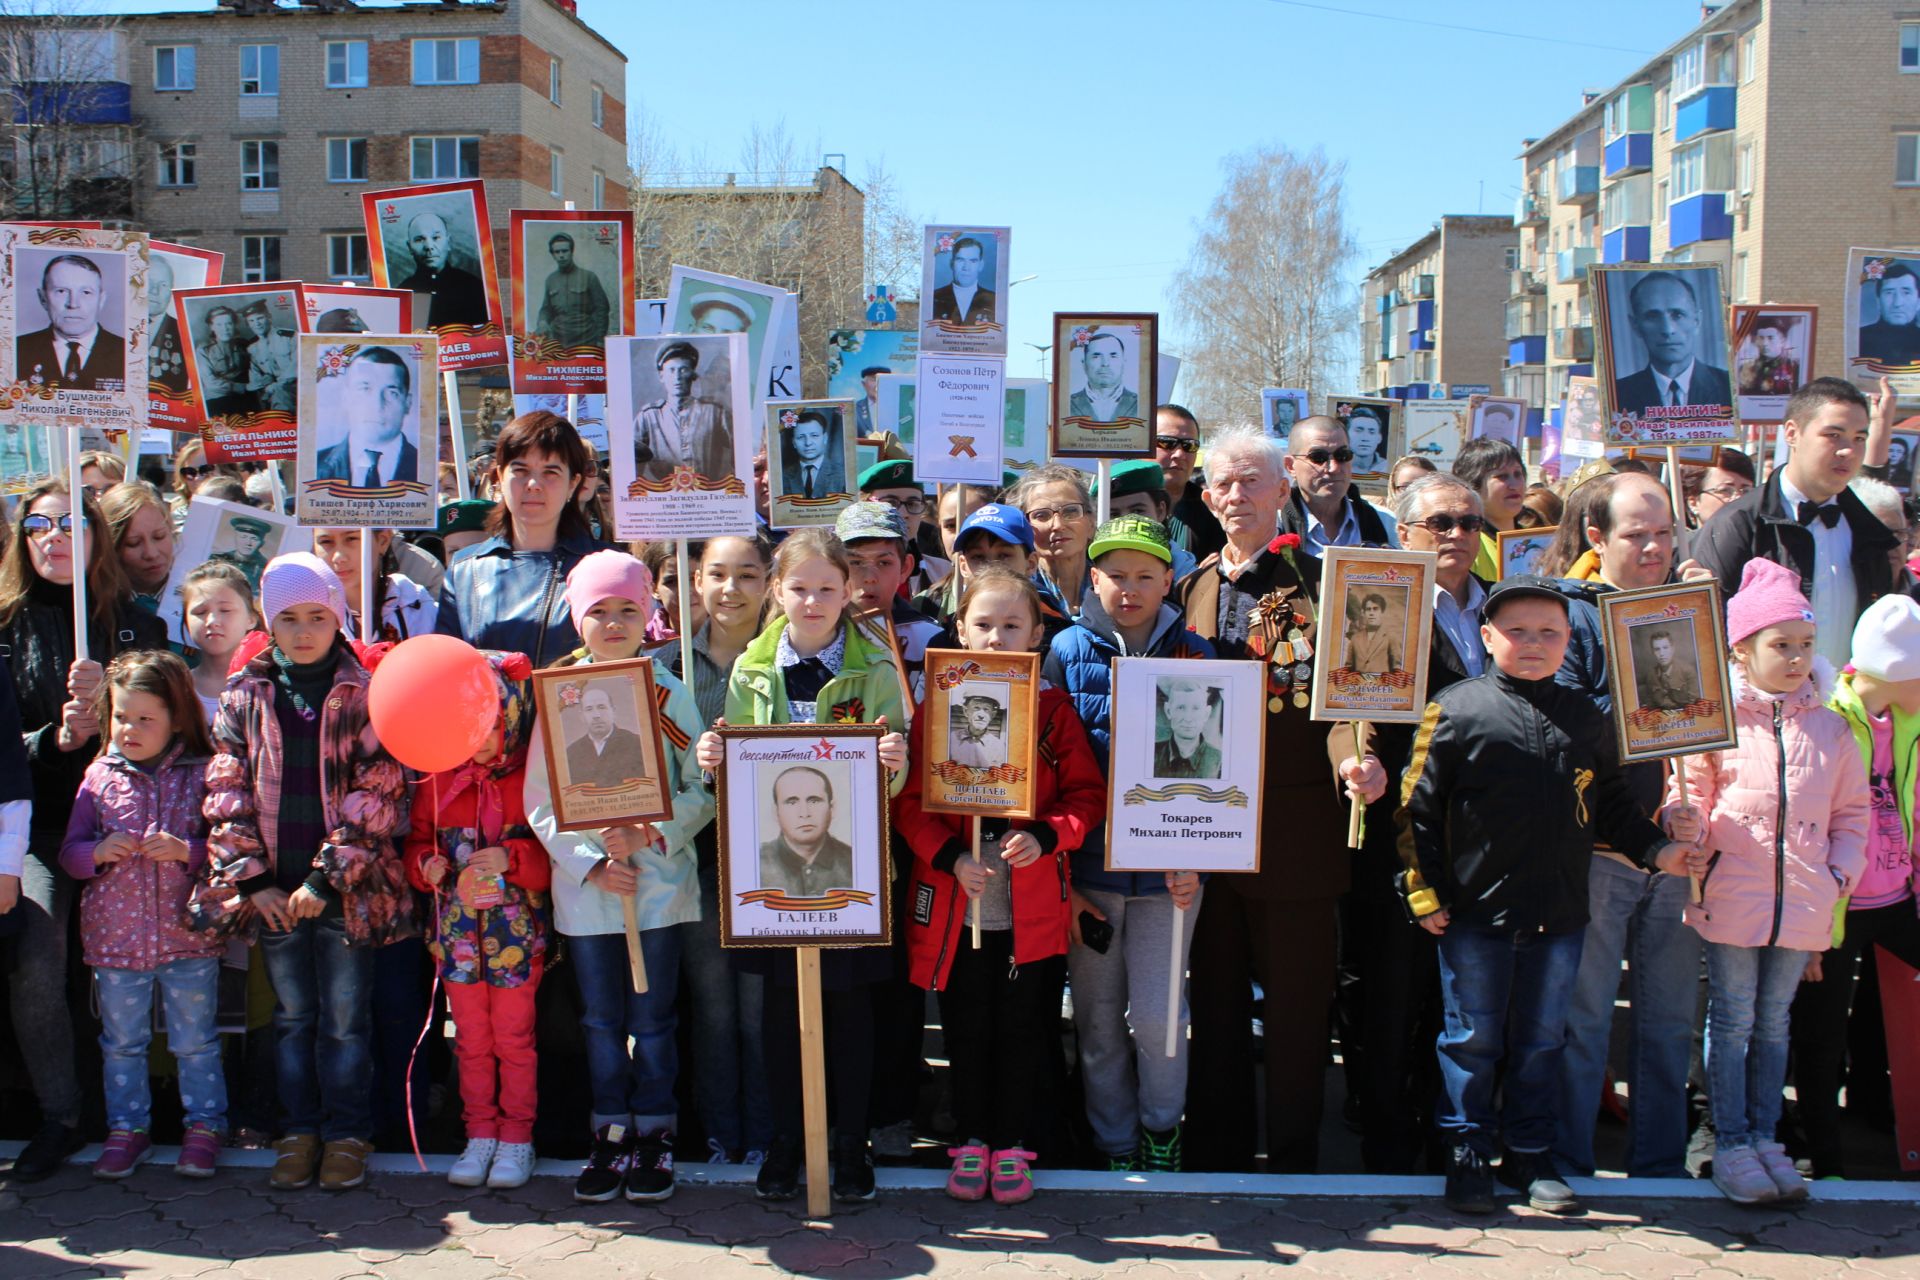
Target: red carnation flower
1285	542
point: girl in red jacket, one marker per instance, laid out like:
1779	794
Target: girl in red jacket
471	847
998	1004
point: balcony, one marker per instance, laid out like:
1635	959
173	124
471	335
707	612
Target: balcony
1573	342
1522	351
1709	110
1521	282
1422	287
85	102
1570	265
1627	244
1579	183
1699	217
1530	211
1526	318
1629	153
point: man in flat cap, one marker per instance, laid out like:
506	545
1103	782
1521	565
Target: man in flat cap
976	741
272	370
963	301
719	313
246	554
574	310
682	429
459	297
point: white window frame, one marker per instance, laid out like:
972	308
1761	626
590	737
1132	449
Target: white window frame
183	159
350	78
598	96
262	55
1739	277
343	242
344	149
434	174
599	189
556	176
1749	57
254	267
553	81
182	53
460	45
254	174
1743	170
1910	39
1906	159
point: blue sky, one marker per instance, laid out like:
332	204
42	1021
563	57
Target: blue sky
1096	130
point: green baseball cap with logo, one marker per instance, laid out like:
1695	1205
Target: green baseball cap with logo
1132	533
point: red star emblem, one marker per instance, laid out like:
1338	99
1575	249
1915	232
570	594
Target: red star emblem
823	750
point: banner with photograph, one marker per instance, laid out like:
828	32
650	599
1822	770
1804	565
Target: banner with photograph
1280	408
570	275
1186	796
369	450
1661	354
339	308
702	302
243	366
681	436
979	733
436	238
1374	433
242	535
1881	333
1376	625
600	727
1104	383
1583	423
169	386
1501	418
810	462
1434	430
964	284
74	328
1023	429
856	359
1773	348
1519	550
1667	670
960	401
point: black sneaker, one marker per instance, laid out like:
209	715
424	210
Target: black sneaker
51	1146
1160	1152
650	1173
1533	1173
852	1169
1469	1182
606	1168
779	1177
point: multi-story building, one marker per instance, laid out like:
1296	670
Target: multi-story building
1430	314
1768	140
262	126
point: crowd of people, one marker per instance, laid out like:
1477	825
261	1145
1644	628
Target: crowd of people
211	831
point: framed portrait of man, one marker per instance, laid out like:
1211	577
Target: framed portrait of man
1667	669
601	730
1105	383
1186	765
242	352
241	535
74	326
1433	429
570	274
803	832
1661	354
1881	334
1902	448
810	461
680	435
964	283
436	238
1373	433
856	361
705	302
1375	625
1498	418
1773	349
1280	408
369	450
333	308
1520	549
980	732
1583	425
169	387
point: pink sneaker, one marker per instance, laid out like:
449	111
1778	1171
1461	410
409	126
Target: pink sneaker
968	1181
124	1151
199	1153
1012	1180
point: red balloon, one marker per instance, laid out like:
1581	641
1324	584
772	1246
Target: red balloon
433	702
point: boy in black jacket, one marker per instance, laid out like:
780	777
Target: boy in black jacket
1511	778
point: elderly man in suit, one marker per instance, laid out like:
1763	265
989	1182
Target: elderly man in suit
376	451
681	429
605	755
810	464
459	297
75	351
1106	398
963	301
1666	316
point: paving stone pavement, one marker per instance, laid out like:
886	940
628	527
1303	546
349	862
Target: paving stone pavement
416	1227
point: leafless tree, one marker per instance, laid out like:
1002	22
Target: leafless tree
66	146
1265	298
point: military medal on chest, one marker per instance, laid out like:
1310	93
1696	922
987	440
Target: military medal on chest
1278	634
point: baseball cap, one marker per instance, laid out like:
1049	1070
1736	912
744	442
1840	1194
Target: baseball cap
1132	533
1002	521
1520	587
861	521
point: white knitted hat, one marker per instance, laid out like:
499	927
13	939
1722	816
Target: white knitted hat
297	578
1886	640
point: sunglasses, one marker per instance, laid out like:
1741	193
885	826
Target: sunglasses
1320	457
1176	444
194	473
39	526
1443	525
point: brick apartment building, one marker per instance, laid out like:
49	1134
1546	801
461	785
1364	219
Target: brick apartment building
1430	314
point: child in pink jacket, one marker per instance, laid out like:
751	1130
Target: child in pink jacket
1786	836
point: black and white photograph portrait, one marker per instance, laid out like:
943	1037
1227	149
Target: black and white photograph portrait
371	403
600	735
806	847
433	246
977	725
1374	431
605	751
1888	297
572	285
685	417
1280	408
1376	623
1189	727
1497	418
242	341
70	319
1666	670
1663	354
171	267
964	283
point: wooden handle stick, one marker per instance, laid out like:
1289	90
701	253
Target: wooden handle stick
813	1083
975	823
1680	788
1356	810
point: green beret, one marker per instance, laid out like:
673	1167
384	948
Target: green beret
892	473
1135	475
467	515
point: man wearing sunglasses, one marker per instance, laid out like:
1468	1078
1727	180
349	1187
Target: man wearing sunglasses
1325	509
1176	447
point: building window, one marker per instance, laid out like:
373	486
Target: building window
1660	200
1663	109
1706	165
1906	160
173	68
1739	277
1749	56
177	164
259	258
599	97
553	175
553	81
446	61
1910	46
259	166
440	158
1745	177
1512	253
599	189
259	70
346	64
346	159
347	258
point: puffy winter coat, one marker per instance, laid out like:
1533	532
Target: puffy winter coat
1787	814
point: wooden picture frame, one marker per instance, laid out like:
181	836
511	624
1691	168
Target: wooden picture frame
1377	673
1763	383
1076	430
979	733
1197	809
1478	427
1518	550
622	779
1684	704
760	903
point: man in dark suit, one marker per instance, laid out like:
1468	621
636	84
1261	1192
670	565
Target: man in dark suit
379	399
1666	315
608	755
1894	338
75	352
166	354
806	859
459	297
963	301
810	464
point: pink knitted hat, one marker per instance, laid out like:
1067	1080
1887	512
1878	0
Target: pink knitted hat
605	575
300	577
1769	593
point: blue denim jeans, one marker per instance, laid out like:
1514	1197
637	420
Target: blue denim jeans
730	1078
1635	917
324	1016
630	1087
1504	993
1750	992
190	992
35	960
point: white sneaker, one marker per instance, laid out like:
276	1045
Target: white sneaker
470	1170
512	1167
1780	1168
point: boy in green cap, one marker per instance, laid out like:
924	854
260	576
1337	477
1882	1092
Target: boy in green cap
1140	489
